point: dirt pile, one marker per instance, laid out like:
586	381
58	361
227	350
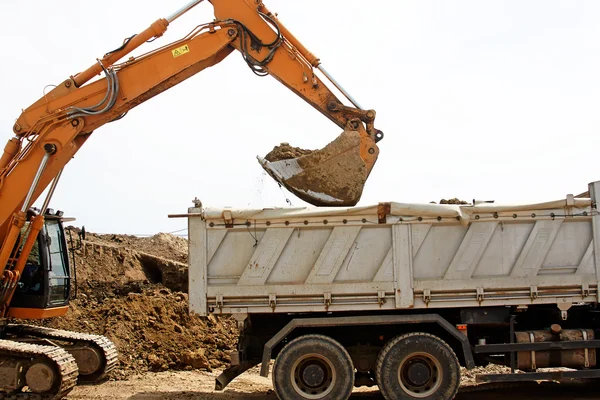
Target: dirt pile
151	327
451	201
162	245
133	291
285	152
468	377
121	259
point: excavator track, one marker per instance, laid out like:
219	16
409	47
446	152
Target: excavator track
59	360
102	346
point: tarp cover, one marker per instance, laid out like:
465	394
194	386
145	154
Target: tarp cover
570	205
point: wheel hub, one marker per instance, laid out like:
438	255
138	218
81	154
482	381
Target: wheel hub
418	373
313	375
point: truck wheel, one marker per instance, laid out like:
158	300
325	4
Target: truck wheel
313	367
417	366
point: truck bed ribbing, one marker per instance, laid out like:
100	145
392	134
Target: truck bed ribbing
392	256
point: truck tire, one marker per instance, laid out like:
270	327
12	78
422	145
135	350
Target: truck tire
417	366
313	367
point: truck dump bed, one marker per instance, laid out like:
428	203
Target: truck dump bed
393	256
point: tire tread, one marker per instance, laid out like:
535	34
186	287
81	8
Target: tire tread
392	343
313	338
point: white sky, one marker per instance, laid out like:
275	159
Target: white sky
478	99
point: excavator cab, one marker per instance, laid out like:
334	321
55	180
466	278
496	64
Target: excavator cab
45	283
46	362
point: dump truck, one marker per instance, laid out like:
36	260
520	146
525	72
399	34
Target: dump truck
402	295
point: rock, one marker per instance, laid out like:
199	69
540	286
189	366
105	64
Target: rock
212	319
196	359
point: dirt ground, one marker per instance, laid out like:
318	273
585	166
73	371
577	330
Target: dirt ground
199	385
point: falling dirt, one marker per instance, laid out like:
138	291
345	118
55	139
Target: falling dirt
128	292
285	152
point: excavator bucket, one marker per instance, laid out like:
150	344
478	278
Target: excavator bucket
333	176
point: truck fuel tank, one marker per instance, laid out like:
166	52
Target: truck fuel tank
576	358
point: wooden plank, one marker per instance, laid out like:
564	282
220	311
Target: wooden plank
536	248
471	250
265	256
333	254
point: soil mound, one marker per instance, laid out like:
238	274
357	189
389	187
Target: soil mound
285	152
151	327
453	201
134	291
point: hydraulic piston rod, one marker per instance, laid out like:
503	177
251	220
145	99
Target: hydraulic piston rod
183	10
340	87
157	29
19	218
36	180
51	192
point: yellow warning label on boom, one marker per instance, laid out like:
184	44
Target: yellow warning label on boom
181	51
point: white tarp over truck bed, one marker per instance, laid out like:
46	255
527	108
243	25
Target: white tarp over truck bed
393	256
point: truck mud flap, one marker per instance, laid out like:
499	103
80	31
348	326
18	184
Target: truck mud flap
231	373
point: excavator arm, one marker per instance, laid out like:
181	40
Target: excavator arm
51	131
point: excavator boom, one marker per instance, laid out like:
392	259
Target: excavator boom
51	131
332	177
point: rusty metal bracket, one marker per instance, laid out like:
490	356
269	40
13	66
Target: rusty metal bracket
381	297
228	218
364	115
426	296
533	292
480	295
533	364
327	300
585	290
586	352
383	210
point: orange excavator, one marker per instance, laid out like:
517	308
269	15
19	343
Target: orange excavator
35	276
